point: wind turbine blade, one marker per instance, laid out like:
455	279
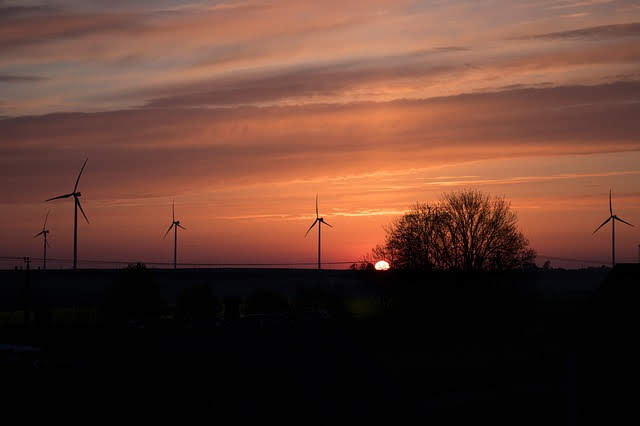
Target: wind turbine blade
603	224
610	207
39	233
623	221
180	226
311	227
325	223
45	220
82	211
317	205
80	174
60	196
165	235
173	210
48	245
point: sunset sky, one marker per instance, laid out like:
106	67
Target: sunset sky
243	110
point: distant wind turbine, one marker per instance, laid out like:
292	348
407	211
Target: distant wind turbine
319	221
76	198
613	219
175	224
44	233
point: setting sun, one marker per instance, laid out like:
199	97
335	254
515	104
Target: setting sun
382	265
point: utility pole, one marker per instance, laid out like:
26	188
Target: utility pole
27	293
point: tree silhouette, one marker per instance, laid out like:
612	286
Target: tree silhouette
483	233
417	239
465	231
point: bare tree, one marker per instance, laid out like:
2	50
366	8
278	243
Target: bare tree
466	230
482	233
415	240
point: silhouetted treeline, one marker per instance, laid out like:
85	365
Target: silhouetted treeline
521	346
134	293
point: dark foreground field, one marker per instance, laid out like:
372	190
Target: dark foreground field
541	347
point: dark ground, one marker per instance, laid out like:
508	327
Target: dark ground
506	351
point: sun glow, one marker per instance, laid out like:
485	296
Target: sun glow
382	265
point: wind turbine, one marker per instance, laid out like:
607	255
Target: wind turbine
613	230
76	201
175	224
319	221
44	233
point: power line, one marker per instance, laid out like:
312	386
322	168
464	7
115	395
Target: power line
126	262
566	259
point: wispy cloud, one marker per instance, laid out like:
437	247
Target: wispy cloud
370	212
334	213
578	4
237	146
600	32
257	53
529	179
16	78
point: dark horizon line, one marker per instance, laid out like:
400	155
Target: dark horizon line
342	262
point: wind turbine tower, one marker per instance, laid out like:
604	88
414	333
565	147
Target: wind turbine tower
76	199
175	224
44	233
320	221
612	217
